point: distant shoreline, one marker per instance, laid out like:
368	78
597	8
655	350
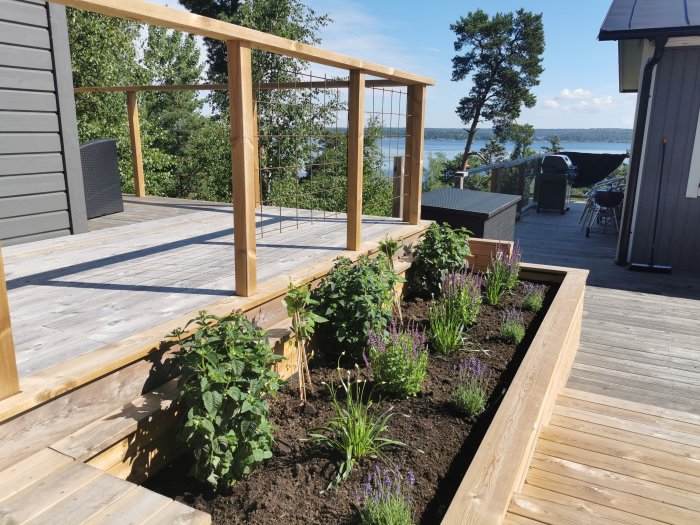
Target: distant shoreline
578	135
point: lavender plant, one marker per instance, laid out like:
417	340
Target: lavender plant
534	296
512	326
471	393
502	274
385	500
462	291
446	326
398	360
356	430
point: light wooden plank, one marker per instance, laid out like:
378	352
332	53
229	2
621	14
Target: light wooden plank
9	379
30	470
615	499
356	139
555	513
148	13
243	163
176	513
514	519
606	478
132	106
135	507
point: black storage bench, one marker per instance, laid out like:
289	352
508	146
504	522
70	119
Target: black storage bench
486	215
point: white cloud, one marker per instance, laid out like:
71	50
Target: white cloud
577	94
550	103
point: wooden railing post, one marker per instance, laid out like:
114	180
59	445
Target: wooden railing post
356	139
415	123
240	89
9	380
397	202
132	106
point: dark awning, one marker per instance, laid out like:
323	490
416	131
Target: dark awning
593	167
651	18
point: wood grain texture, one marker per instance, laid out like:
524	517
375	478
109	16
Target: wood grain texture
356	139
9	379
415	124
243	154
132	106
148	13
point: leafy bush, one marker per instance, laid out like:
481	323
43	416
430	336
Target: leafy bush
385	501
502	275
357	430
398	360
462	291
441	250
356	299
512	326
471	393
534	297
446	326
224	387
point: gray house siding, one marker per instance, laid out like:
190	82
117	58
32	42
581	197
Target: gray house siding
674	114
41	188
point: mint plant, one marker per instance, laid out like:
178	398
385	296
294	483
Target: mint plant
441	250
299	304
357	430
355	298
225	386
471	393
512	326
398	360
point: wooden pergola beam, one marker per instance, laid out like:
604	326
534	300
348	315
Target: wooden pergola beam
135	137
9	379
157	15
415	123
356	139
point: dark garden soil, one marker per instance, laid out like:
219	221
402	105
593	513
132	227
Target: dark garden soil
290	487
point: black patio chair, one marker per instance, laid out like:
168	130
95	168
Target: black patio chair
606	210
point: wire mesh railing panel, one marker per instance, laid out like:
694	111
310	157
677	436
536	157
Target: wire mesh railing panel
302	151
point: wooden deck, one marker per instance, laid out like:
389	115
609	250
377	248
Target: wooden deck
623	444
71	295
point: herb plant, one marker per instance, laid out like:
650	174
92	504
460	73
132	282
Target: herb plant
357	429
534	296
441	250
462	290
355	298
299	303
398	360
512	326
384	501
502	274
446	326
389	247
225	385
471	393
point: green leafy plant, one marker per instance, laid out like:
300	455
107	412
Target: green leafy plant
502	274
225	385
389	247
534	296
355	298
446	326
385	500
398	360
441	250
357	430
512	326
471	393
461	291
299	303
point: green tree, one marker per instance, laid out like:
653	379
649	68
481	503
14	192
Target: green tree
554	145
520	135
493	151
503	56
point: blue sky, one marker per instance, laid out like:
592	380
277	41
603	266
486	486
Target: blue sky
578	87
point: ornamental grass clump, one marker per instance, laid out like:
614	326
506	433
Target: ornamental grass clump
224	389
441	250
385	499
355	298
502	274
462	291
512	326
398	360
357	430
446	326
534	296
471	393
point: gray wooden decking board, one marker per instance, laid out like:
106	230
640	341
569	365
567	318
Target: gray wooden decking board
72	295
640	339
